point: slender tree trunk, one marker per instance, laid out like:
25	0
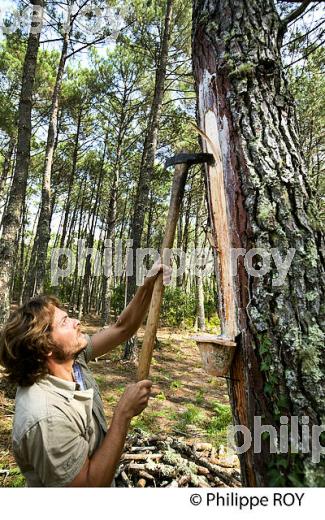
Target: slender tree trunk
200	312
20	270
150	221
91	235
11	218
89	260
79	280
124	219
111	218
37	269
200	303
71	179
179	242
5	204
59	231
15	282
148	158
6	166
259	198
96	289
8	170
73	296
186	230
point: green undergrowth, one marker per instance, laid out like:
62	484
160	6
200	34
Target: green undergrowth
218	425
147	420
11	477
192	415
214	427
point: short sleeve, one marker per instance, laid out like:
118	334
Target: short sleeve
56	450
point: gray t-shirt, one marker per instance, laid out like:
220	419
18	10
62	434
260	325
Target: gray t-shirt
56	427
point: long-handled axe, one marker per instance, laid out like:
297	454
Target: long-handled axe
182	162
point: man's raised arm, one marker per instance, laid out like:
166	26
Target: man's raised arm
131	318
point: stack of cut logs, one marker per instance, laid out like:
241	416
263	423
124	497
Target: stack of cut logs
161	461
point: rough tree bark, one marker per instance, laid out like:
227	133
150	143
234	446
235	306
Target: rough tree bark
11	218
259	198
148	159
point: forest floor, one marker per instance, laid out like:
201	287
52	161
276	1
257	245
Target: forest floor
186	402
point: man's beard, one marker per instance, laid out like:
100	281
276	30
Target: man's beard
61	356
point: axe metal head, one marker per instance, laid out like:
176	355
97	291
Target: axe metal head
190	159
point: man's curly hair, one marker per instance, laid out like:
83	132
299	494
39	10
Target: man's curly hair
25	341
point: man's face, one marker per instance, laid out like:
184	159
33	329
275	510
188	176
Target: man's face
67	336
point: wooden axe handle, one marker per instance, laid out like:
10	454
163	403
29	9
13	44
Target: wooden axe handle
177	193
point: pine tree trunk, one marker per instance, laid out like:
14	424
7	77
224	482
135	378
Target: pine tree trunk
6	166
186	229
72	223
20	269
93	224
11	218
148	159
111	218
259	198
200	312
96	280
74	291
200	303
71	180
149	222
37	270
179	242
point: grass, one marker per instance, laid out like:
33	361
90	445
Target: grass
191	416
17	479
213	325
179	356
223	416
216	428
147	421
100	380
161	396
176	384
119	390
10	475
199	397
111	399
218	425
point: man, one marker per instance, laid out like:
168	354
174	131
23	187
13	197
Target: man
59	435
